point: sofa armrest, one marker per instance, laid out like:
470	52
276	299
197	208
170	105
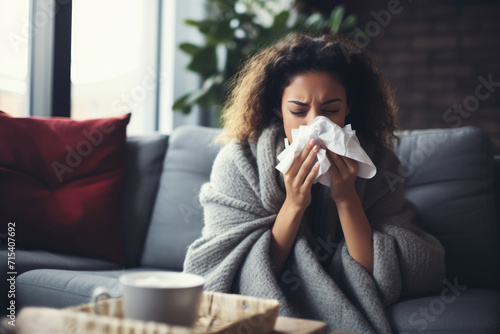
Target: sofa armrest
144	159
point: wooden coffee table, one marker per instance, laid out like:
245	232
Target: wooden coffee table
284	325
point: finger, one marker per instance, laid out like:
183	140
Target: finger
312	175
352	165
345	165
335	162
306	165
299	159
341	165
334	171
340	160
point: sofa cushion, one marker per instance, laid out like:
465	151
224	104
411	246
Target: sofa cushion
27	260
60	181
449	176
144	160
64	288
455	310
177	214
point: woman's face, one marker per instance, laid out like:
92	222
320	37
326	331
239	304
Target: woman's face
310	95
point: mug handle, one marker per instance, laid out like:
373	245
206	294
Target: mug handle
99	293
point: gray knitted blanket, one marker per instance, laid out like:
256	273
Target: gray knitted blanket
241	202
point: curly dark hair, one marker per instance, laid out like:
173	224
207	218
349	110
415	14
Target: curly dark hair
256	90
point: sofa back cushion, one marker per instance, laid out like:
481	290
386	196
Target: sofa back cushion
177	214
144	161
449	176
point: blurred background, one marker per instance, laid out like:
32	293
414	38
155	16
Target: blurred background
168	61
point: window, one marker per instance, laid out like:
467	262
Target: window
14	42
114	56
108	52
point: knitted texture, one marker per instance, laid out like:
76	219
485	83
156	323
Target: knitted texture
241	202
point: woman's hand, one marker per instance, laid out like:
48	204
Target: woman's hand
343	172
357	230
298	181
299	177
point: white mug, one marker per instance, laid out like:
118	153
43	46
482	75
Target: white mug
161	296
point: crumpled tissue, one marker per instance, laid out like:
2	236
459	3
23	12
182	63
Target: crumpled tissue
342	141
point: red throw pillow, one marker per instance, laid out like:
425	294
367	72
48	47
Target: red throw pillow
60	182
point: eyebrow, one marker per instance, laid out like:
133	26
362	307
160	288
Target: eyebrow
322	104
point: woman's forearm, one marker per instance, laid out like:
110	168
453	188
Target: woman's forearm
283	234
357	232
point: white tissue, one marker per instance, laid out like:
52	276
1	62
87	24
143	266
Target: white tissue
342	141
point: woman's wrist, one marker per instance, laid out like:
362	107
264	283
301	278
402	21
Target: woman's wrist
351	200
292	208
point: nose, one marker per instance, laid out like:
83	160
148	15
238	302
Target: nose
311	115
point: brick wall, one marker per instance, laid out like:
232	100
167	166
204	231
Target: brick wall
436	56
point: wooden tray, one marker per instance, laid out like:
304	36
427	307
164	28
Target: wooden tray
219	313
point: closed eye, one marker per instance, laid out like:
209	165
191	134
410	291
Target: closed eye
298	112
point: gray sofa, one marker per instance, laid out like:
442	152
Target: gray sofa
450	176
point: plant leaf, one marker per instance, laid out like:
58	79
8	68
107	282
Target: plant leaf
204	61
281	19
203	26
193	23
180	103
335	19
189	48
225	4
349	22
314	21
221	32
205	88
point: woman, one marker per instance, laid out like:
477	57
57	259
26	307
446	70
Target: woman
339	254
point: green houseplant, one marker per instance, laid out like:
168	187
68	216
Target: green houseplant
237	29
